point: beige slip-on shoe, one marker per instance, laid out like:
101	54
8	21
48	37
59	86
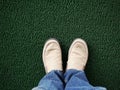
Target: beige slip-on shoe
52	57
78	55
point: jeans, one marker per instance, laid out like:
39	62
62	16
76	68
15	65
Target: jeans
71	80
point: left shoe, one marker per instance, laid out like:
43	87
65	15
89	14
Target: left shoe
52	57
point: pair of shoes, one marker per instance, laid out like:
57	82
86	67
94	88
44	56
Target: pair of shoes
77	56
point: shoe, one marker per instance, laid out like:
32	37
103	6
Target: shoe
52	57
78	55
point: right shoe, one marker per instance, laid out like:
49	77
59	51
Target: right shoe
52	57
78	55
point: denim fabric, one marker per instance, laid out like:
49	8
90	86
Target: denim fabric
51	81
71	80
77	80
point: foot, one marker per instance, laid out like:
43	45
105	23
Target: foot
78	55
52	57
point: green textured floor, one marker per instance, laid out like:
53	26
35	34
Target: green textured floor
26	24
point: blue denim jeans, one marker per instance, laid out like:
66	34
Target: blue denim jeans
71	80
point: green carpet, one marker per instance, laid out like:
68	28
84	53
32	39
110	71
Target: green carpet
26	24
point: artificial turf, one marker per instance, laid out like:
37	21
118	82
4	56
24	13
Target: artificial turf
26	24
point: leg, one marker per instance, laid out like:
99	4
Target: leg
51	81
52	60
77	80
75	77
